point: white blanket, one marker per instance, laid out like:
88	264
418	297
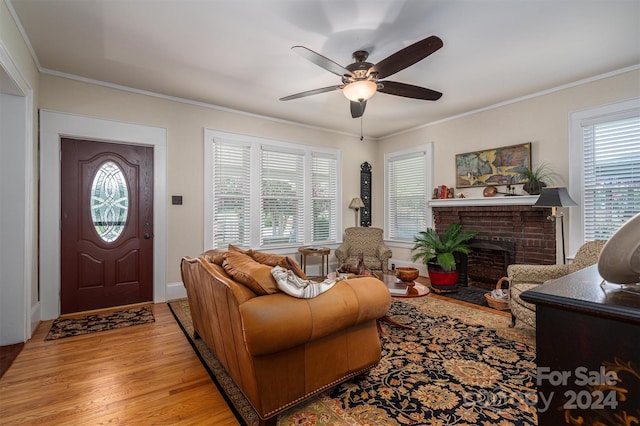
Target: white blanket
295	286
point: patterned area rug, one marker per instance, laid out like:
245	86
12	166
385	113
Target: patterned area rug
459	366
67	327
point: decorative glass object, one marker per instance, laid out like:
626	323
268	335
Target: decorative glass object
109	201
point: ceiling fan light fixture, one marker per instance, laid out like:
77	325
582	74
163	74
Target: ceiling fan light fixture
359	91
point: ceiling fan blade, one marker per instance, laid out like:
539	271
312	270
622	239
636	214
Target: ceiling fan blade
357	108
406	57
408	91
311	92
321	61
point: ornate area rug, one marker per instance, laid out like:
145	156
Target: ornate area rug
67	327
460	366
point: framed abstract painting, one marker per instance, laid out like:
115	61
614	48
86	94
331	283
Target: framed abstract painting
497	166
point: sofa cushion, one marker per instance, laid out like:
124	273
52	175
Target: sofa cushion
242	268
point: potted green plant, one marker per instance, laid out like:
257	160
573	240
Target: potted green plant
537	178
437	252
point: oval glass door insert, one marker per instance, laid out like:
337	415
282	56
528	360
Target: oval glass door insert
109	201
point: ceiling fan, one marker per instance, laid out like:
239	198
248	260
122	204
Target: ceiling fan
361	80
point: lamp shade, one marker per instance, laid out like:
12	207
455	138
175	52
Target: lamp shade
356	203
359	91
554	197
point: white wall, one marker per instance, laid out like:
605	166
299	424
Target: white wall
13	203
542	120
18	240
185	124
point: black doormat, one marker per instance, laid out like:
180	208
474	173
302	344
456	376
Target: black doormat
473	295
67	327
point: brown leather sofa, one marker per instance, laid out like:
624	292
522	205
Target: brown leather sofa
281	350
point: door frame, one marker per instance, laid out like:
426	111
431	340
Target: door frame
55	125
19	313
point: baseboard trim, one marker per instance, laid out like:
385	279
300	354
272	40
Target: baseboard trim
35	318
176	291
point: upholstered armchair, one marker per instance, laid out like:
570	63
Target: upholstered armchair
368	241
526	277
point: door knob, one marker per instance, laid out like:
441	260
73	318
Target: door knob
147	236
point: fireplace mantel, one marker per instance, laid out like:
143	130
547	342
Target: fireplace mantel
524	200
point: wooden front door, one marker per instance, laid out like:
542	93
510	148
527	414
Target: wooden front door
106	225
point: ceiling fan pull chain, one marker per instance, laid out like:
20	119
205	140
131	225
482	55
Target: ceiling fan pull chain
361	132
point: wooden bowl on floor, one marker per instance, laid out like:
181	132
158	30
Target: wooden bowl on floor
407	273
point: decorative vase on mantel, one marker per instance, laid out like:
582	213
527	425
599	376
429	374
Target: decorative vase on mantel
533	188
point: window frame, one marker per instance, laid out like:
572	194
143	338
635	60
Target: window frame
256	144
609	112
391	156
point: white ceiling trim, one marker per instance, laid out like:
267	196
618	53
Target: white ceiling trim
192	102
23	33
522	98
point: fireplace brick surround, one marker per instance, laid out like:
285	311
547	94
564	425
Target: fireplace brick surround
524	232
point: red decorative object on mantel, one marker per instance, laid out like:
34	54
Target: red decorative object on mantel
442	192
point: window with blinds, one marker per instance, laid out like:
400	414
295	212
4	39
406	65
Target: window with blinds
324	196
262	193
281	197
231	194
406	193
611	174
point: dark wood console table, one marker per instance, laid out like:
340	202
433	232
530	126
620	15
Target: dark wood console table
588	350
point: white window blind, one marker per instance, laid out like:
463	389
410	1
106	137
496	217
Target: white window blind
406	195
612	175
324	195
231	194
268	194
281	197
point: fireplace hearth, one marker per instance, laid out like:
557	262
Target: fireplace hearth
486	263
507	234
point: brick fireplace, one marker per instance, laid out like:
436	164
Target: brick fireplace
510	230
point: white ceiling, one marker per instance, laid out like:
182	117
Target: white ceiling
236	53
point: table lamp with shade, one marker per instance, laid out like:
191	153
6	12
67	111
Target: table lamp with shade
555	197
356	204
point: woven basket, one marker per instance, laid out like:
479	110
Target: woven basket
499	304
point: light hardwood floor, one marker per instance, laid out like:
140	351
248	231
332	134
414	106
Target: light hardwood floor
140	375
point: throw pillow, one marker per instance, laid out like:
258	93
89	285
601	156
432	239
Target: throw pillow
272	259
242	268
215	256
295	268
240	250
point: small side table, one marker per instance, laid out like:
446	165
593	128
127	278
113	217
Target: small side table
315	251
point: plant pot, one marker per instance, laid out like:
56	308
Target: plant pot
533	188
440	279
